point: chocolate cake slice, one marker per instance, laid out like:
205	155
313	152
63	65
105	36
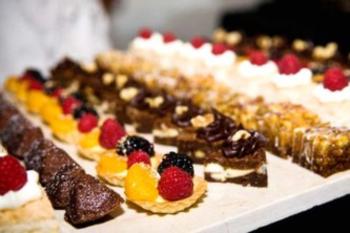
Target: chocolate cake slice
29	140
166	130
241	159
206	136
146	107
90	200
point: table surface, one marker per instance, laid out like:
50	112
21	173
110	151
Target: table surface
226	207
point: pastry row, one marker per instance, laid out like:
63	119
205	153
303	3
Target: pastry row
68	187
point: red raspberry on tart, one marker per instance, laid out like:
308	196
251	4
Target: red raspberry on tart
145	33
258	58
197	42
111	133
69	104
13	176
168	37
218	49
289	64
335	79
87	122
175	184
138	156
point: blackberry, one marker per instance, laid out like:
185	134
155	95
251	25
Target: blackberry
132	143
35	74
83	109
179	160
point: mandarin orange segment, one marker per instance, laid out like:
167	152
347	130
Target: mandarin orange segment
141	183
111	164
90	140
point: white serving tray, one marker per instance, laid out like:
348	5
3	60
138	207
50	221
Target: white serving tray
226	207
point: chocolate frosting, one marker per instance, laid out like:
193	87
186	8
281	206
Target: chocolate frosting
243	146
184	119
219	129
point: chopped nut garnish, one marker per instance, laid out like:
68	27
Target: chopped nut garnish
264	42
325	52
240	134
300	45
219	35
179	110
199	154
89	67
202	120
120	80
233	38
108	78
128	93
155	102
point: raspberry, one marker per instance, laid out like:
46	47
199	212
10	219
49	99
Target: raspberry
218	49
168	37
258	58
69	104
87	122
197	42
111	133
13	176
179	160
175	184
132	143
289	64
145	33
35	85
334	79
57	92
138	156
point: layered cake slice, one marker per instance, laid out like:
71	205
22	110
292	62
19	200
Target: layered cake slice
24	206
324	150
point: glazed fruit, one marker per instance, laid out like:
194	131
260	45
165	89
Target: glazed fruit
22	91
132	143
87	122
145	33
289	64
138	156
218	49
62	125
258	58
51	111
197	42
90	140
36	100
111	163
11	84
12	174
82	110
111	133
181	161
69	104
168	37
335	79
141	183
175	184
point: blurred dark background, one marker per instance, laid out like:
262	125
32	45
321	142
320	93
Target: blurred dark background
321	21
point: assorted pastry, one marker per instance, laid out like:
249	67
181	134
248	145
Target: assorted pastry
84	198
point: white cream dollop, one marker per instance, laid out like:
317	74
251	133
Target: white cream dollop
143	45
3	151
325	95
248	70
302	77
29	192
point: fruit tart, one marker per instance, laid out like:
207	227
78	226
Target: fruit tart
113	165
169	189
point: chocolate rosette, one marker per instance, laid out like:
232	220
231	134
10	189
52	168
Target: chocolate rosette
242	143
184	112
221	128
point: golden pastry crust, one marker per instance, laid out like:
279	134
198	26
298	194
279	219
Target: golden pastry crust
93	153
171	207
30	217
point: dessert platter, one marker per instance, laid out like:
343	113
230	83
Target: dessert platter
236	131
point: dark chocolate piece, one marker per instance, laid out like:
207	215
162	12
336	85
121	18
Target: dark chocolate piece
90	200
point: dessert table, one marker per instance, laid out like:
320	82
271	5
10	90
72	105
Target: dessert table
226	207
